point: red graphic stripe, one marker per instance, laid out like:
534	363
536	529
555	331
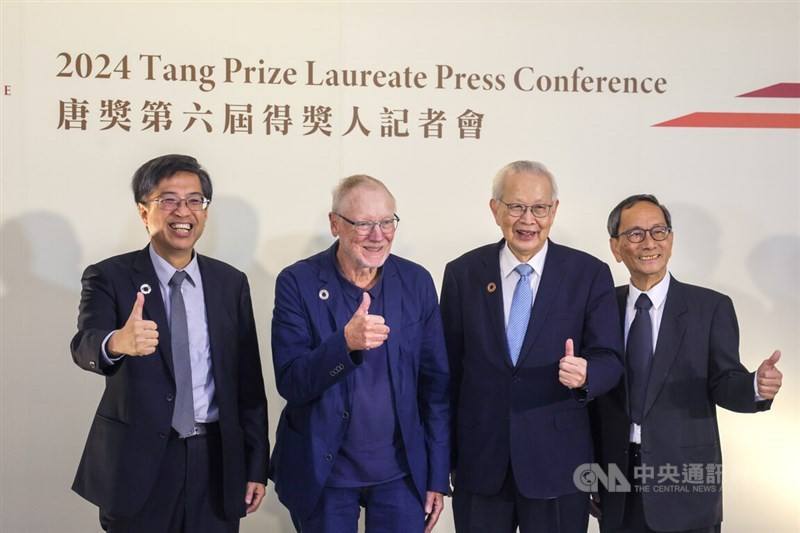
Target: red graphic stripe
734	120
779	90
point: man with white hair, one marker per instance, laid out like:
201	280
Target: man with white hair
532	334
359	356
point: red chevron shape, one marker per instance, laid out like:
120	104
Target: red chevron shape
779	90
734	120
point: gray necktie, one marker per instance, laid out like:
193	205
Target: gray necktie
183	415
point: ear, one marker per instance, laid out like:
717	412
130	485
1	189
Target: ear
494	205
332	219
614	245
143	213
554	209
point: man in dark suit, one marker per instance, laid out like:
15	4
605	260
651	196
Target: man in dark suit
359	357
532	336
179	440
659	425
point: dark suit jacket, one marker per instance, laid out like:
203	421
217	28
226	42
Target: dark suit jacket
313	365
126	442
695	367
523	414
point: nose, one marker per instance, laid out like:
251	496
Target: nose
648	241
183	207
375	233
527	216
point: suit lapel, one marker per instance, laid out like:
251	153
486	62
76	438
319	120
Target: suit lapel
620	394
145	274
393	310
213	297
549	284
329	294
491	286
670	336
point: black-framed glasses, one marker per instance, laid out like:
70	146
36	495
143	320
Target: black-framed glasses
636	235
171	202
518	210
364	227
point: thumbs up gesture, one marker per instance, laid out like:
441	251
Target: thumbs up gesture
571	368
365	331
768	377
137	336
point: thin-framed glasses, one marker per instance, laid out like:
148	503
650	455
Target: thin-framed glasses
171	202
518	210
636	235
364	227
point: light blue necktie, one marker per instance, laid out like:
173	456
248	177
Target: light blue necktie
520	311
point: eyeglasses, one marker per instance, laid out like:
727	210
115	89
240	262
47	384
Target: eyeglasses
364	227
171	202
636	235
518	210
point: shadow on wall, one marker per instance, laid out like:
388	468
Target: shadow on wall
696	254
232	236
46	401
774	265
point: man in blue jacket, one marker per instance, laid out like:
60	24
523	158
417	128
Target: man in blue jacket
532	334
359	357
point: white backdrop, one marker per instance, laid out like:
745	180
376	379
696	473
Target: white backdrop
65	199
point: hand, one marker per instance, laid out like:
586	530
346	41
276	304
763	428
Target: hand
434	503
768	377
365	331
137	336
594	505
571	369
255	493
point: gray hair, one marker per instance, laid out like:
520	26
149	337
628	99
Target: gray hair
522	167
348	184
616	214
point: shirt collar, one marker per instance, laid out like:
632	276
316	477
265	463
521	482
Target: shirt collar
508	261
657	293
165	271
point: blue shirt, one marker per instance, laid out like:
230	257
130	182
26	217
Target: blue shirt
372	450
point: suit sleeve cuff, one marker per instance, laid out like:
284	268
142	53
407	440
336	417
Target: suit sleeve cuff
758	397
106	359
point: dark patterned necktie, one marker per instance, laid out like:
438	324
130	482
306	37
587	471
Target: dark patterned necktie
639	354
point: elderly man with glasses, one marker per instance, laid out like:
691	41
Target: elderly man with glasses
532	334
359	356
659	426
179	440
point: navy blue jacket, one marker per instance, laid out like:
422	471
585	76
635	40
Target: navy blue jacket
522	413
312	365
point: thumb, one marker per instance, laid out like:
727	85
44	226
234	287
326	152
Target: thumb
569	349
774	358
136	313
363	309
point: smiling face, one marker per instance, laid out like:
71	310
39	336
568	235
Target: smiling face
647	260
174	233
526	234
360	254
